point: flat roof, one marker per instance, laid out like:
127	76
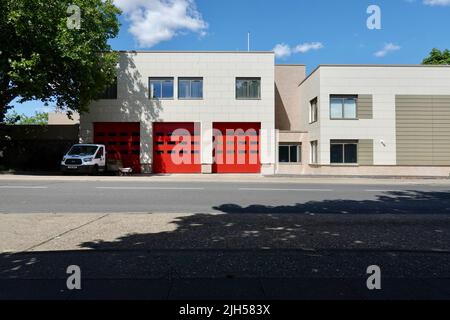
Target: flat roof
376	66
290	65
238	52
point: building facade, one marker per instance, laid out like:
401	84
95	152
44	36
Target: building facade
189	112
373	120
238	112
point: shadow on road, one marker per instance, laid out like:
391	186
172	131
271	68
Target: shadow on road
285	252
392	202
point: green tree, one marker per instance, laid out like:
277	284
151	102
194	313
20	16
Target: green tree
437	56
39	118
44	58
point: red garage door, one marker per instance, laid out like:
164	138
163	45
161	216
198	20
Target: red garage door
122	142
236	148
176	148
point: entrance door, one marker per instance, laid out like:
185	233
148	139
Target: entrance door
122	141
236	148
176	148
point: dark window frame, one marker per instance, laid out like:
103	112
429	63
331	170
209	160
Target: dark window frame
161	80
110	92
314	111
314	152
191	80
290	146
343	98
344	144
248	79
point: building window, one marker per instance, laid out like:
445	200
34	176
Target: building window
248	88
161	88
314	152
313	111
190	88
344	152
343	107
111	92
289	153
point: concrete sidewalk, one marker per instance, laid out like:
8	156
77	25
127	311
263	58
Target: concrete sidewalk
69	232
232	178
224	256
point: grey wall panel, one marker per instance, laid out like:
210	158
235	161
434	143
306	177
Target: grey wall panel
423	130
365	106
365	152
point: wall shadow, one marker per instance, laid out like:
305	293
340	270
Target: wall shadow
134	105
404	231
394	202
282	121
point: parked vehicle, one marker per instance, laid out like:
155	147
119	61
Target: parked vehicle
85	158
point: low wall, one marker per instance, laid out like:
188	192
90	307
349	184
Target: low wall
34	147
405	171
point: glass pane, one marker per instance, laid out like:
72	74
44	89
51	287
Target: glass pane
350	108
167	89
254	89
294	153
155	88
336	153
313	111
283	154
351	153
241	89
197	89
336	109
314	152
183	88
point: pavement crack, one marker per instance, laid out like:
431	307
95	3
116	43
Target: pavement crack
64	233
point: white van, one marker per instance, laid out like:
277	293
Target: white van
85	158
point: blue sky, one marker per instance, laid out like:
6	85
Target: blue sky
310	32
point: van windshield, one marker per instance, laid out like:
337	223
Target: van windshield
82	151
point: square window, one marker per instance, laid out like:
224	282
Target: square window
110	92
161	88
190	88
343	107
289	153
248	88
344	152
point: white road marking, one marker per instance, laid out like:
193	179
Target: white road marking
23	187
300	190
383	190
146	188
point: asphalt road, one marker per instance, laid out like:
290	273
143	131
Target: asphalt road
269	240
227	197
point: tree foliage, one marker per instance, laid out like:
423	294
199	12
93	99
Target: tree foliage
41	58
437	56
39	118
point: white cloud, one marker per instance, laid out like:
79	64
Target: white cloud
305	47
442	3
283	50
388	47
155	21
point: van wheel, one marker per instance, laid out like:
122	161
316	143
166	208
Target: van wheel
94	171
